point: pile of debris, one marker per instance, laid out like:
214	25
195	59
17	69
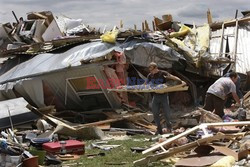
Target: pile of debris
78	83
45	137
222	144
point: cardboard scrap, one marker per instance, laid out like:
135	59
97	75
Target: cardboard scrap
227	151
199	161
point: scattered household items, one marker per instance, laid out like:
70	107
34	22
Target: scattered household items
67	88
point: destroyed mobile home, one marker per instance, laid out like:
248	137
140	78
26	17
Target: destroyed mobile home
76	81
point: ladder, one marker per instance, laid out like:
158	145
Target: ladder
233	54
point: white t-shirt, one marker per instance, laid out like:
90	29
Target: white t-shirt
222	87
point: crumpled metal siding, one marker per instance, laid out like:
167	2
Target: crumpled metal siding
243	49
215	43
45	63
48	62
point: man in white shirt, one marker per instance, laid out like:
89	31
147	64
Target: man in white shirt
217	93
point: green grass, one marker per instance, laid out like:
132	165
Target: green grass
115	155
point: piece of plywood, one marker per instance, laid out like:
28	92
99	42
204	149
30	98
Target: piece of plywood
104	126
186	147
14	112
175	150
199	161
52	32
246	95
129	116
40	29
146	88
150	127
170	140
227	151
209	17
201	126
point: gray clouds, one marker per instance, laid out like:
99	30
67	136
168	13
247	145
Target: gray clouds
98	13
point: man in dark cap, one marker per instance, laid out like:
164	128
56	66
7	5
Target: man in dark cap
157	77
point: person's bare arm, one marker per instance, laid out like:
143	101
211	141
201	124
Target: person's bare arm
146	81
175	78
236	98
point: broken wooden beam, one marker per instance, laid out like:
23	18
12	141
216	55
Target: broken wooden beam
209	17
201	126
153	25
230	23
121	24
175	150
146	26
142	26
227	151
135	28
170	140
132	116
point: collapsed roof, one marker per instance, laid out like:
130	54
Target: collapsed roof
47	56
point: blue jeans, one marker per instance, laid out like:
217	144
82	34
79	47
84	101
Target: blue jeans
158	100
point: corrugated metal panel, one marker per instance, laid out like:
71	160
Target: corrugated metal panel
48	62
57	82
243	49
215	43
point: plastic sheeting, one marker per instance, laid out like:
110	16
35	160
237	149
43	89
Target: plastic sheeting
71	26
30	89
143	53
56	69
15	109
195	43
45	63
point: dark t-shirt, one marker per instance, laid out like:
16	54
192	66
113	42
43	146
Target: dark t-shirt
157	78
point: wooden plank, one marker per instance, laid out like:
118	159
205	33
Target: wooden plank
135	28
43	17
165	25
235	43
170	140
153	25
227	151
176	150
114	119
246	95
241	123
104	126
180	87
157	21
121	24
40	15
209	17
221	40
142	26
218	25
150	127
167	18
186	147
233	22
146	26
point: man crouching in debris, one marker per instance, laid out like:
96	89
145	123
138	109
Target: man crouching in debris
157	77
217	93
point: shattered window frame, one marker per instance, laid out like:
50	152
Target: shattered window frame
100	102
89	91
